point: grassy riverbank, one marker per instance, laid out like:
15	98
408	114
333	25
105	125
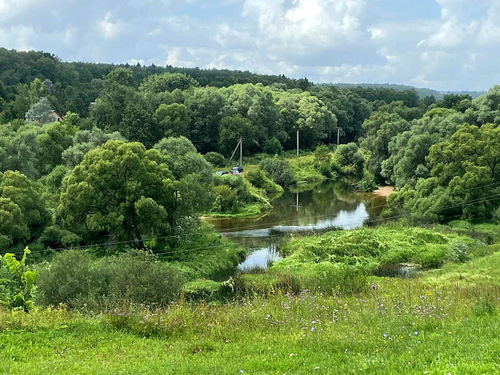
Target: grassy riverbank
443	321
439	323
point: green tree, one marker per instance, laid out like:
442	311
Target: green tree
173	119
234	127
52	141
167	82
205	106
193	185
109	194
13	227
26	195
408	150
84	141
19	150
379	129
350	159
40	112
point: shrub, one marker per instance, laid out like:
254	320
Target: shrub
208	290
459	251
80	279
367	183
216	159
272	147
496	215
259	179
226	199
16	286
279	170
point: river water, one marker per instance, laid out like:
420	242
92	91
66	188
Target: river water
327	205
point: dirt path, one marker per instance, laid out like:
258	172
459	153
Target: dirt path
384	191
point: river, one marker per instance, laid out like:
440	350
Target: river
327	205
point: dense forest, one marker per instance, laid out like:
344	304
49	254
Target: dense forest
110	174
135	134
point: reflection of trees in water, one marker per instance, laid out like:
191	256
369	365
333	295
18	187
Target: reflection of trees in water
374	204
323	202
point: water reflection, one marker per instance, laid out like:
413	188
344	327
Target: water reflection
328	205
260	258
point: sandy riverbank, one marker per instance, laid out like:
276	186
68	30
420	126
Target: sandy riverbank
384	191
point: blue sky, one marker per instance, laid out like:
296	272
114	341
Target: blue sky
440	44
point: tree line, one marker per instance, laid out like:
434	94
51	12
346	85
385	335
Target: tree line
131	152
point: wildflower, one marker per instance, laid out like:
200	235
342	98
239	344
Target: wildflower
373	286
385	335
313	329
313	322
291	354
416	333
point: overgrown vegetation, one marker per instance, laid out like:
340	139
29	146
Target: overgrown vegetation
402	326
109	199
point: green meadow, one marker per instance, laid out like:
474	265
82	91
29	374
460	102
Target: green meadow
443	320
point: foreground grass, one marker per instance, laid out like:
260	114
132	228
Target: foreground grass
437	324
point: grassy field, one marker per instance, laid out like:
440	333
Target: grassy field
444	321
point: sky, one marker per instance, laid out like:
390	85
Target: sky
439	44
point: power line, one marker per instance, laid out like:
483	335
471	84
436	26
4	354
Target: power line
183	249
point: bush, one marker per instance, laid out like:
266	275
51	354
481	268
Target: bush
367	183
459	251
208	290
259	179
226	199
16	285
56	237
431	256
323	160
249	285
216	159
272	147
496	216
279	171
80	279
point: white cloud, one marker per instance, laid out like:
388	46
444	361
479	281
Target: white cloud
489	32
136	61
306	23
175	58
377	33
11	8
108	28
227	36
18	36
325	40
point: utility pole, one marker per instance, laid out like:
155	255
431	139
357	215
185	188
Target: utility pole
338	136
241	151
297	142
240	145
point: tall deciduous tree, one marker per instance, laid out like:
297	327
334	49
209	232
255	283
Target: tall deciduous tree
173	120
115	191
26	195
193	177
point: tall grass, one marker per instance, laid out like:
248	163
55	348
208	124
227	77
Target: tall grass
411	326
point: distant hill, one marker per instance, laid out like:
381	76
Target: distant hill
422	92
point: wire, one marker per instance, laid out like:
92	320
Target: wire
184	249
